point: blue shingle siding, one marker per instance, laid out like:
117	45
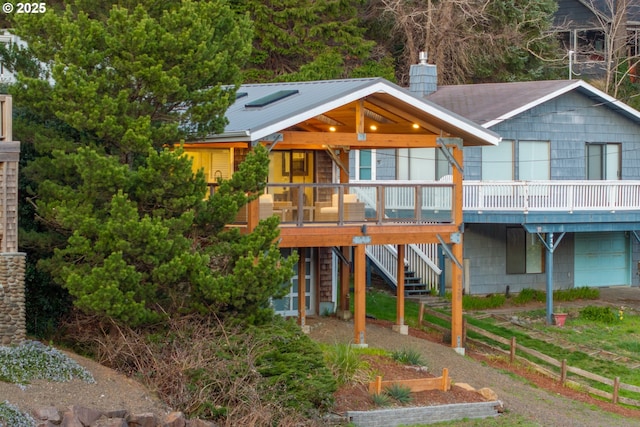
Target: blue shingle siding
386	164
568	122
574	12
473	163
485	247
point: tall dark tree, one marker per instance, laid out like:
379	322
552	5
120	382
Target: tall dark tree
119	84
310	40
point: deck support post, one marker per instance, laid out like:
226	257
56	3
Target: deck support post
456	249
302	290
359	299
400	327
344	311
549	270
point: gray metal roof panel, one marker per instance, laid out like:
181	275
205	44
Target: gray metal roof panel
310	94
317	97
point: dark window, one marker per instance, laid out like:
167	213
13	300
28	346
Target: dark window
525	252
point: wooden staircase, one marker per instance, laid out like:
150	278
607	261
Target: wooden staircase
413	286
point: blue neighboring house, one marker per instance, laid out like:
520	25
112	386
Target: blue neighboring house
584	27
557	203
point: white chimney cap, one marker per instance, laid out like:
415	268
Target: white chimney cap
423	58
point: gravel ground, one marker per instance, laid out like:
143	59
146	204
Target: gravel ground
111	391
547	409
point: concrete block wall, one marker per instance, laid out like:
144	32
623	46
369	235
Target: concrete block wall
423	414
12	298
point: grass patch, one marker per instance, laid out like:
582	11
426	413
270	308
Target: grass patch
529	295
598	314
576	294
474	303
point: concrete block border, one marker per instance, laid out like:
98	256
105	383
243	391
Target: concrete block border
394	417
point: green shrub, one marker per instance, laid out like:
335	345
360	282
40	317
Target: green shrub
294	365
345	363
408	357
400	393
228	371
598	314
381	399
576	293
528	295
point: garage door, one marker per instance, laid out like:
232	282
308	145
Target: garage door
601	259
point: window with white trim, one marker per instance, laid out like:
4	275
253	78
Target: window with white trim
603	161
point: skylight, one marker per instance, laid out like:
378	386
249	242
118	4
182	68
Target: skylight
270	99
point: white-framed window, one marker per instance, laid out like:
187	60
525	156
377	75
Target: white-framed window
534	161
603	161
525	160
497	162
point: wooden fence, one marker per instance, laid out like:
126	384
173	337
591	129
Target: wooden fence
562	365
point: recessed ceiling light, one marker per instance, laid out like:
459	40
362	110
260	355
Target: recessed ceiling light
373	127
332	128
416	126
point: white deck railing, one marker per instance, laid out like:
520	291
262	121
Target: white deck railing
516	196
566	196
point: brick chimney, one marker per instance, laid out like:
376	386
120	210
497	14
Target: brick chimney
423	77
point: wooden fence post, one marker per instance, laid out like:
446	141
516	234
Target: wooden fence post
378	384
563	372
445	378
512	354
421	314
616	389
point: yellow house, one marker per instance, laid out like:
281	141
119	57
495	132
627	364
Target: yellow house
318	133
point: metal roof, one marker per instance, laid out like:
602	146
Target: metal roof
316	98
491	103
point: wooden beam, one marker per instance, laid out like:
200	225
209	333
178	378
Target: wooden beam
384	234
400	287
318	140
359	299
410	117
302	282
360	116
344	159
205	144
